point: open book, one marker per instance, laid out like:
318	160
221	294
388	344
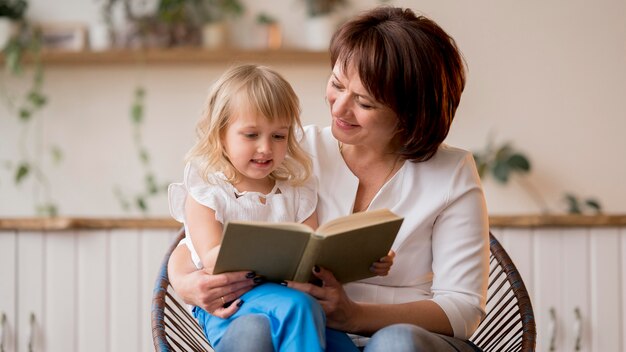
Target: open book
347	246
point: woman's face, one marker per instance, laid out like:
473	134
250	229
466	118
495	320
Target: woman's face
358	119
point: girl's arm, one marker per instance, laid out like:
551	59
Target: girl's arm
205	232
311	221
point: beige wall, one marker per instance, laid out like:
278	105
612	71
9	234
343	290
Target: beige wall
550	76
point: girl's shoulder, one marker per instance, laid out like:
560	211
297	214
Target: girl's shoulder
205	189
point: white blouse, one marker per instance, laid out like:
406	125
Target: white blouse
285	203
442	249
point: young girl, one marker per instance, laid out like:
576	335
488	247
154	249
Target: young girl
247	165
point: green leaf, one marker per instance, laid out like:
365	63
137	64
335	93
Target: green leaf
144	156
141	204
22	171
13	56
572	204
482	169
503	152
47	209
594	204
140	93
35	98
501	172
518	162
151	184
25	114
136	113
56	154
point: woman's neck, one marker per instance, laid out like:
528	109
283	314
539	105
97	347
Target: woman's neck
373	169
367	155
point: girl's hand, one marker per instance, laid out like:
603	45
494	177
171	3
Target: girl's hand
341	312
382	267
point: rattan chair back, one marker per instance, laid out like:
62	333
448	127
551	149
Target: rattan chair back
510	323
173	327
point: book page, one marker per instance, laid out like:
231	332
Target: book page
350	254
356	220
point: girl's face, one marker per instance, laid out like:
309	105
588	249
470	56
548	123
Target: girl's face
255	146
358	119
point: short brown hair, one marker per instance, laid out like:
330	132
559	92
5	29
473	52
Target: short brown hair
409	64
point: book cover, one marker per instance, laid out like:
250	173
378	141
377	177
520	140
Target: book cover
287	251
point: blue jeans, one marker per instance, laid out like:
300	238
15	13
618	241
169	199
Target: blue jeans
274	318
412	338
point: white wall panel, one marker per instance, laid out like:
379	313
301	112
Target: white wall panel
153	246
606	293
94	314
125	291
8	299
547	285
59	320
575	281
30	289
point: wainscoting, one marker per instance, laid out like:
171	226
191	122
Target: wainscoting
86	284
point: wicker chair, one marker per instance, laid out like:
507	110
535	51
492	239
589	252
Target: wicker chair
510	322
508	326
173	327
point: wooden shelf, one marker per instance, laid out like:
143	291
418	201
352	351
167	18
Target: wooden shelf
180	56
516	221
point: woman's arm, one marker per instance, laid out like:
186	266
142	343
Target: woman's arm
365	319
206	291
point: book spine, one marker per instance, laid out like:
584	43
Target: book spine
303	273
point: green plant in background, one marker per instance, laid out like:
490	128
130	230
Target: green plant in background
210	11
575	205
152	187
316	8
504	163
173	22
28	165
14	10
264	18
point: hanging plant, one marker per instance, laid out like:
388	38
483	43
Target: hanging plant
28	164
151	187
316	8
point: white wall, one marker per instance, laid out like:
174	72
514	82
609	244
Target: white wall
550	76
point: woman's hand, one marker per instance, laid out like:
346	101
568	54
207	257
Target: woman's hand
209	292
382	266
341	312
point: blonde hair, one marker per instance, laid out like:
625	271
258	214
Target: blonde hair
264	91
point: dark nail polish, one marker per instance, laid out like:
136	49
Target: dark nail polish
317	282
240	303
316	269
284	283
250	275
259	280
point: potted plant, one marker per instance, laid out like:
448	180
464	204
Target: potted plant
271	33
212	16
321	22
11	11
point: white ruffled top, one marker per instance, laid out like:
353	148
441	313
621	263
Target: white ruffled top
285	203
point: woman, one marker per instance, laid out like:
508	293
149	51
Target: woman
396	82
